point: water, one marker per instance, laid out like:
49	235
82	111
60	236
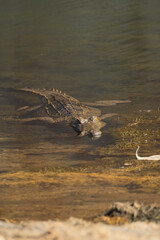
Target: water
92	50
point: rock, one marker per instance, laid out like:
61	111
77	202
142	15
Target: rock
120	213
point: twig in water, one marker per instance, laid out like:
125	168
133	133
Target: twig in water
150	158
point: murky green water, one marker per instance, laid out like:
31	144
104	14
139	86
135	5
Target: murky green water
92	50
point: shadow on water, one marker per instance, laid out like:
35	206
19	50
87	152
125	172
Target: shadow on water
92	50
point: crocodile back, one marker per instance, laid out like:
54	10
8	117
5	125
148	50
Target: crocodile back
60	106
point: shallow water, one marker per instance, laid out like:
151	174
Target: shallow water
107	50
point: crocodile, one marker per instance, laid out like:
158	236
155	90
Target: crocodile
57	107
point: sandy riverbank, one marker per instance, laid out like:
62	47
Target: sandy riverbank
78	229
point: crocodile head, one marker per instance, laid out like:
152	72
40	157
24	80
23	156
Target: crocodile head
89	126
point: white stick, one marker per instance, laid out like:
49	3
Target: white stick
150	158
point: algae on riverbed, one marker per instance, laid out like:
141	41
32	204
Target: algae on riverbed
51	195
51	173
144	130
